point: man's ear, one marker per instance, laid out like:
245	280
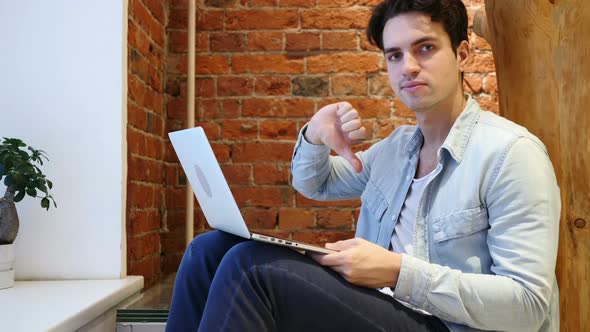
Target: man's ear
463	55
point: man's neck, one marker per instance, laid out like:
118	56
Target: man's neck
436	123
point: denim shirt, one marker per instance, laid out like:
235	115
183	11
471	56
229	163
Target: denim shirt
486	230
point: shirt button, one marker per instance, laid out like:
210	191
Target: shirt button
408	297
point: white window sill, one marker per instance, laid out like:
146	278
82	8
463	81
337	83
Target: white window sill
62	305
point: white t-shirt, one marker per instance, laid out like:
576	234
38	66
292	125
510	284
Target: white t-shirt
402	240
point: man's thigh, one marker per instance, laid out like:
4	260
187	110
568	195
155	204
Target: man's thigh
290	291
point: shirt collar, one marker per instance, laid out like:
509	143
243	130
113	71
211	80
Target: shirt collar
458	136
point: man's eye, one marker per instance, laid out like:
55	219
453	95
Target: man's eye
394	56
427	47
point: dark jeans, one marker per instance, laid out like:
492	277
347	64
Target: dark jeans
226	283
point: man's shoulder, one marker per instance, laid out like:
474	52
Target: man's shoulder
502	131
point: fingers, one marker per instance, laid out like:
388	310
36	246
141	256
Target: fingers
346	153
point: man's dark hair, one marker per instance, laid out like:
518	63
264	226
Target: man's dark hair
451	13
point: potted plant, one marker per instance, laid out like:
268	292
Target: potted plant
22	176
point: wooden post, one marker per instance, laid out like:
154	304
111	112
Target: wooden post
542	55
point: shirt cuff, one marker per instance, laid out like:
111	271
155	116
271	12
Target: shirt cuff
413	281
303	148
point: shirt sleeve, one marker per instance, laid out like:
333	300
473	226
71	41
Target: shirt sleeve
523	205
318	175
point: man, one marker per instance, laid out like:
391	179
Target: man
459	218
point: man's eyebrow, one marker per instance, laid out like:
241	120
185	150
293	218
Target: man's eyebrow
414	43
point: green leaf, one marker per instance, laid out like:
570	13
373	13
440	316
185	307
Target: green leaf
8	181
50	184
19	197
2	170
32	192
45	203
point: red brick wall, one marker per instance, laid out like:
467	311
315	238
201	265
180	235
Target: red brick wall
146	58
263	68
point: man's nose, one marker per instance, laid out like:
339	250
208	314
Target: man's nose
411	66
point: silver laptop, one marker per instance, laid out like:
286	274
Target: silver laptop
213	193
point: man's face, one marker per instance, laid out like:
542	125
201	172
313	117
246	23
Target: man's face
423	69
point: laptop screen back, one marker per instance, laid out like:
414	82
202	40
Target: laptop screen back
207	181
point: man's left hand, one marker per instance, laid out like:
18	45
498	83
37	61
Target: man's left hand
362	263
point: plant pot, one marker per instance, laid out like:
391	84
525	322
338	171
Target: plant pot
6	265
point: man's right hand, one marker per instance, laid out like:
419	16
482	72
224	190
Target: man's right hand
338	126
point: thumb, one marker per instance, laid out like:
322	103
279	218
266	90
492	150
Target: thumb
346	153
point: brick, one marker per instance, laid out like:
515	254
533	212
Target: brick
156	7
237	174
345	85
208	109
311	86
178	41
262	152
278	129
480	43
211	128
234	86
141	222
230	109
146	170
346	3
372	108
339	40
178	3
221	151
258	3
473	84
147	22
257	19
175	197
265	41
400	109
367	107
212	65
490	84
207	20
297	3
176	109
488	103
154	80
138	64
344	62
302	41
143	267
379	85
174	240
306	202
171	176
257	218
144	245
231	42
142	196
204	87
258	196
272	85
239	129
272	64
278	108
366	45
136	117
271	174
138	39
322	237
481	63
296	219
221	3
335	18
334	218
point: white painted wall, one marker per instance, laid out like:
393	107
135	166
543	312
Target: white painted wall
63	90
